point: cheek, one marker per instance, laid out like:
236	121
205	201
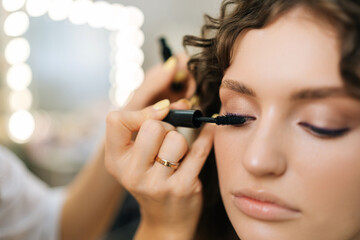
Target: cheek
325	177
228	152
221	149
322	178
330	176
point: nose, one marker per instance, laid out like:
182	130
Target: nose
265	154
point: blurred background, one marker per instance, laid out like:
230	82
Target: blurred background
65	63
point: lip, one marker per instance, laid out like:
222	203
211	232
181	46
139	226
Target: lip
263	205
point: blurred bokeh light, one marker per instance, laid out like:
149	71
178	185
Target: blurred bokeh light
60	9
16	24
17	51
12	5
37	8
21	126
19	77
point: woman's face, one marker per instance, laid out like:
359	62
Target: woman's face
294	171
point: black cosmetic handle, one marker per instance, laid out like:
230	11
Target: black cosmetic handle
184	118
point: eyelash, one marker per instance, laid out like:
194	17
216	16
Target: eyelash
325	132
320	132
234	116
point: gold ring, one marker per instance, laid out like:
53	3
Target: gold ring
167	163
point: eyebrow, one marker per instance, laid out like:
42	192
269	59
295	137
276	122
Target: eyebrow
237	87
318	93
303	94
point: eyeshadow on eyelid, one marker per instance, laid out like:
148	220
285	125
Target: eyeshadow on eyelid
328	113
238	105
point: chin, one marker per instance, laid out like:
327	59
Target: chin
258	231
264	233
252	229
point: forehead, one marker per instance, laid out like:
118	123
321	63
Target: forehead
297	49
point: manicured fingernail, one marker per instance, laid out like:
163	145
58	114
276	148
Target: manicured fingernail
215	115
180	76
170	64
161	104
187	102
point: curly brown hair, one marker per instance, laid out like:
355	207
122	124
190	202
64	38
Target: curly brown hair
210	63
219	34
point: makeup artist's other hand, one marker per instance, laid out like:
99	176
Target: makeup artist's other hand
170	200
158	83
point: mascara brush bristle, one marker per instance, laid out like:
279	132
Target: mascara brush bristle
230	120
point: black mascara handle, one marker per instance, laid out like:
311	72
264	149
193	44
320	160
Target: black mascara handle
184	118
165	49
166	53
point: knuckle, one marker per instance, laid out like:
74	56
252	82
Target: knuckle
197	187
152	127
113	117
155	189
187	189
180	191
178	138
130	184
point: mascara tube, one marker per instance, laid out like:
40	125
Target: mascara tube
184	118
194	119
165	49
166	53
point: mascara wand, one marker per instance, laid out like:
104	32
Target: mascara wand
195	118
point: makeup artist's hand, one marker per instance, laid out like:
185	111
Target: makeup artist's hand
158	83
170	200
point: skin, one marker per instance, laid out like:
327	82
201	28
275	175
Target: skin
92	199
157	84
170	200
318	175
95	195
134	138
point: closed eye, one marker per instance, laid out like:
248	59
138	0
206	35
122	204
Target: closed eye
324	132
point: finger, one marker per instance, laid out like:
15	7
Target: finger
181	104
183	59
172	150
198	153
182	62
161	75
168	71
182	72
191	87
156	132
148	142
120	125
